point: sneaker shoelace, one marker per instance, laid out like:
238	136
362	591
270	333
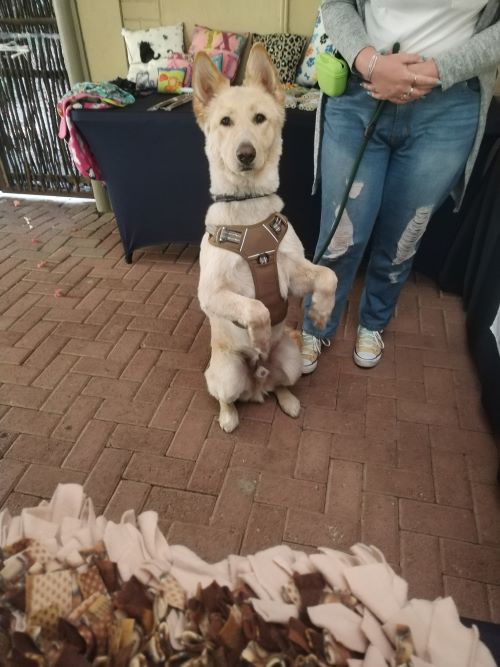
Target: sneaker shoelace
312	345
370	341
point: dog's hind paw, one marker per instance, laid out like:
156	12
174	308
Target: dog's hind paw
289	403
228	417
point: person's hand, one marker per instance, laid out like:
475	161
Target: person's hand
428	68
393	78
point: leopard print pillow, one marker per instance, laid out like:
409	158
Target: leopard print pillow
285	50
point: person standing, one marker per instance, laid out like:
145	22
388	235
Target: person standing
437	89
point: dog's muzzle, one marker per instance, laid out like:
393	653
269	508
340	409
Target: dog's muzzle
246	155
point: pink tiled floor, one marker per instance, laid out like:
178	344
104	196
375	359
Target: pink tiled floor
103	385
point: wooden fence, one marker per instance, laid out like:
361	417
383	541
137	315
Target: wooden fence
32	79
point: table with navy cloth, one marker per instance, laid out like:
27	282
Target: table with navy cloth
156	172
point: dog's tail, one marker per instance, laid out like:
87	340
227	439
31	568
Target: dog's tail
261	372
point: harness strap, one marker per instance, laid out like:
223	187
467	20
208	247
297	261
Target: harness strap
258	245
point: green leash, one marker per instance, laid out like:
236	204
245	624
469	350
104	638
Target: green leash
370	128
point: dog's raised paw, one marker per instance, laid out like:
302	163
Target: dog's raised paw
318	318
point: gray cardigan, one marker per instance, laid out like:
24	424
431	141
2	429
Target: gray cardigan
344	23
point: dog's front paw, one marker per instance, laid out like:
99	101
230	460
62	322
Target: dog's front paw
318	315
323	298
259	329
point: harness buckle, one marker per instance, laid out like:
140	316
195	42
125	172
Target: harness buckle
229	235
276	224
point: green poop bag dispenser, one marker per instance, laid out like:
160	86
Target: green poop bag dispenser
332	72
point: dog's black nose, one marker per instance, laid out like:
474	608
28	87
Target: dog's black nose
246	154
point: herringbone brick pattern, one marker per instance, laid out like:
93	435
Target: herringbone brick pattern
101	382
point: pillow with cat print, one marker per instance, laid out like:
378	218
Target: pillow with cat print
147	50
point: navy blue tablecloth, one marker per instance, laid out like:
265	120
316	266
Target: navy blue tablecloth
156	172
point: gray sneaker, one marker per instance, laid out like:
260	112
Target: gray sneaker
311	349
368	349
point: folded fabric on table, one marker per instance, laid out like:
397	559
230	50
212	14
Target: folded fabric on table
87	95
78	590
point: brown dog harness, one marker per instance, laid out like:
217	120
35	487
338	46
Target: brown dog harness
258	245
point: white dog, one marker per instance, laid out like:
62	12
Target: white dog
252	353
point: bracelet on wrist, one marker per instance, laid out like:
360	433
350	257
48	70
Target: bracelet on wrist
371	66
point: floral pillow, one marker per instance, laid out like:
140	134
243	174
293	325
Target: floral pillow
319	43
229	44
185	61
182	61
170	80
285	50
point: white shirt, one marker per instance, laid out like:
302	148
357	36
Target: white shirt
426	27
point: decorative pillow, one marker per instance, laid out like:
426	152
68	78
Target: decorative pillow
217	59
182	61
229	62
206	39
285	50
170	80
147	50
185	61
143	46
230	44
319	43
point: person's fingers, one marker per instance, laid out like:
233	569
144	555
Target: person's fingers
423	81
410	58
417	94
404	95
397	99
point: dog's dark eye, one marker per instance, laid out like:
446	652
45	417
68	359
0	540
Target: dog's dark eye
226	121
259	118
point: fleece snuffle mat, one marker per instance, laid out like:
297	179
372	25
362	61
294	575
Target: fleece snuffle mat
78	590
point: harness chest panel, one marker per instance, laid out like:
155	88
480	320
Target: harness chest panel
258	245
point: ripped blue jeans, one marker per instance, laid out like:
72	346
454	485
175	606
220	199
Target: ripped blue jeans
414	158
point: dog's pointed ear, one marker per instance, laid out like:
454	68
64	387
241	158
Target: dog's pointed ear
262	72
207	83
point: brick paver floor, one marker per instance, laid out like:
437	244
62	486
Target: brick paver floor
101	382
